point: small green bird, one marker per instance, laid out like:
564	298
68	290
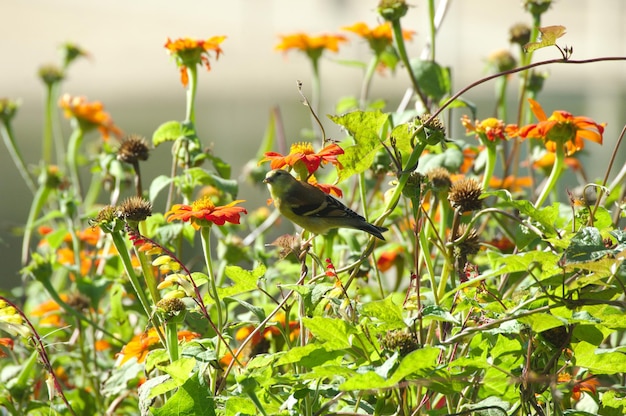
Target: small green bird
312	209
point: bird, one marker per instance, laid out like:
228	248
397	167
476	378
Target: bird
312	209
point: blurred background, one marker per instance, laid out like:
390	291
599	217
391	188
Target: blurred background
130	72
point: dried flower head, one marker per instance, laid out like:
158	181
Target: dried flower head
133	149
439	179
501	60
401	341
519	34
78	301
171	307
465	194
134	209
471	244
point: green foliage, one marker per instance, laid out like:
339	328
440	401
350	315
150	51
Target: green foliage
181	299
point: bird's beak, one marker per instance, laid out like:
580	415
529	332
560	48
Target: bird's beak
266	180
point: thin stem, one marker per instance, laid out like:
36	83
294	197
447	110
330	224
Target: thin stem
397	35
192	73
118	241
316	92
72	157
557	169
491	164
46	146
367	81
9	141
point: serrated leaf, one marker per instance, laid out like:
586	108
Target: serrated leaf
310	355
167	132
244	280
586	246
335	332
179	370
191	399
542	321
388	312
491	406
549	35
365	128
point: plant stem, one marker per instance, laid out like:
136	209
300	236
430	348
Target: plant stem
9	141
397	34
72	157
190	115
557	168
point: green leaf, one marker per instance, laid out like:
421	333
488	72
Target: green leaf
433	79
220	166
549	35
365	128
613	403
157	185
491	406
597	361
437	313
451	159
200	176
167	132
335	332
388	312
310	355
542	321
191	399
244	280
179	370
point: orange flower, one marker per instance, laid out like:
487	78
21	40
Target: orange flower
388	258
142	344
490	129
379	37
50	312
562	129
191	52
326	188
547	161
89	115
6	342
512	183
303	152
203	212
588	384
313	46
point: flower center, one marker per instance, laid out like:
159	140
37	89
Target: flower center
302	147
202	204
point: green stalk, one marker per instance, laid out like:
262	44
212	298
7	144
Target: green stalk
39	200
72	156
46	146
192	72
557	169
9	141
146	268
205	237
397	35
171	339
491	162
120	245
367	81
432	28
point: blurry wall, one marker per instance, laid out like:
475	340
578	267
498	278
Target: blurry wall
130	72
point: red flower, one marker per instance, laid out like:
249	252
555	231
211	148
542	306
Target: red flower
490	129
562	129
303	152
203	212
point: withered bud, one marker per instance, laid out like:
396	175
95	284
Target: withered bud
50	74
439	179
79	301
519	34
392	10
134	209
471	245
501	60
133	149
171	307
465	194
